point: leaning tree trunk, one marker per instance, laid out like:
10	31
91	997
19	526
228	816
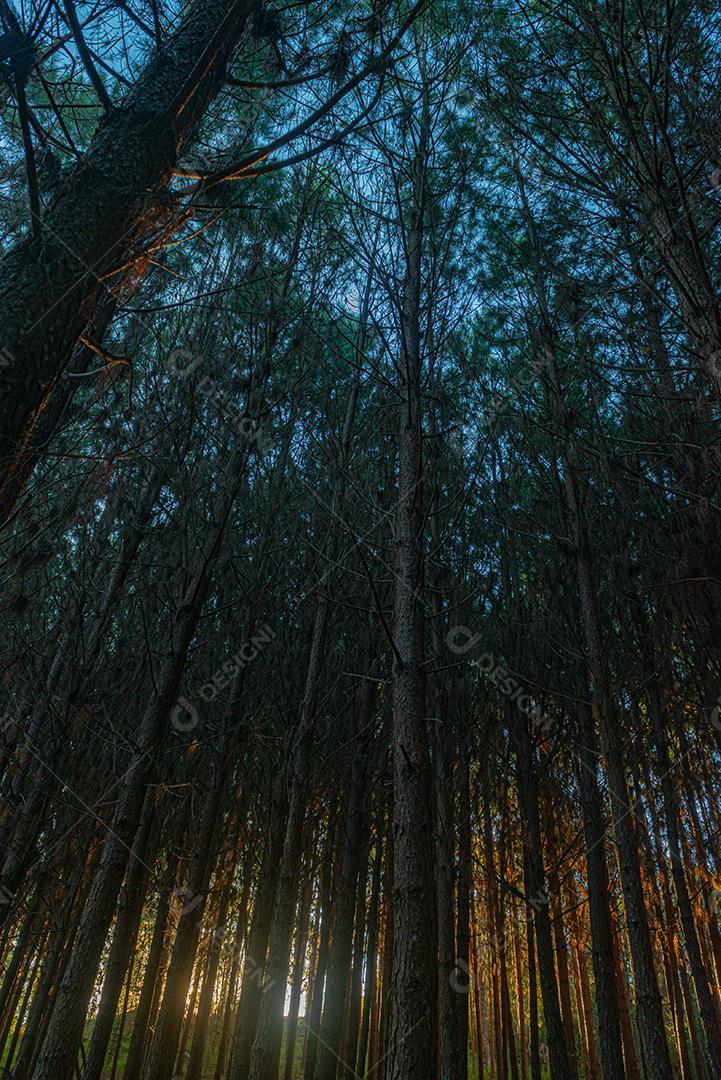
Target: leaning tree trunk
51	967
124	939
109	204
65	1029
31	789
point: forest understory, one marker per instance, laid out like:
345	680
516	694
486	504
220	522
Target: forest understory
360	538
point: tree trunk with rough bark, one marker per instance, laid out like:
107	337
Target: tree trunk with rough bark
107	207
411	1042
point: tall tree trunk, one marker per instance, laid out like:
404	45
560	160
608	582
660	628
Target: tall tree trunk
411	1046
205	1002
522	1048
315	1003
251	991
339	963
351	1034
51	967
599	900
164	1048
465	866
650	1017
648	999
560	946
707	1002
139	1036
538	897
265	1054
671	956
444	866
296	991
532	978
604	708
630	1056
241	933
369	987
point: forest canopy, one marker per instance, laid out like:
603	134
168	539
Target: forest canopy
360	369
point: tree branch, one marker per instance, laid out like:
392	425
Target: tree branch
81	45
238	169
